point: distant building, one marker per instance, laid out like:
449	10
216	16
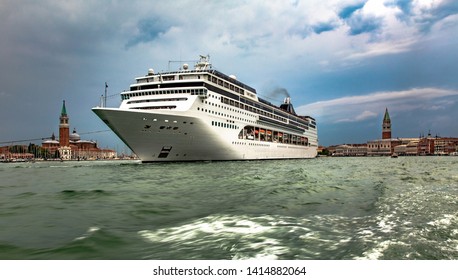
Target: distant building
438	146
351	150
386	145
70	146
410	146
381	147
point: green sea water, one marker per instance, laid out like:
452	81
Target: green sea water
319	209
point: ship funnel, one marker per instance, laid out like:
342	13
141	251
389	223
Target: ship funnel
288	106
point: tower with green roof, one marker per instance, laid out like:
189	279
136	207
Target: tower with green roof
64	131
386	126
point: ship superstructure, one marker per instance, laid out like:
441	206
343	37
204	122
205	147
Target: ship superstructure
203	114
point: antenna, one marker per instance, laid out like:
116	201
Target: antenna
105	97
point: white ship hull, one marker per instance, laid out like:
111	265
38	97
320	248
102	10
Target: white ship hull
202	114
189	138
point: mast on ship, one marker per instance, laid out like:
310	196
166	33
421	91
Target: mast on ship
203	63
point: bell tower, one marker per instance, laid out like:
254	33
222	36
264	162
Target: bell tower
386	126
64	131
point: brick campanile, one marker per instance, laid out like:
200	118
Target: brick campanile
64	131
386	126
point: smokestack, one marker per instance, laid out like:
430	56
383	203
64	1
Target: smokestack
288	106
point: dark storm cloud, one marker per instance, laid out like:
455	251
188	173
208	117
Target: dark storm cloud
148	30
49	52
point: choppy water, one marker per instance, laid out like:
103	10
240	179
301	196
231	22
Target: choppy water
325	208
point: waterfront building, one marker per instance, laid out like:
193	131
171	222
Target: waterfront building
382	147
412	147
438	146
71	146
351	150
387	146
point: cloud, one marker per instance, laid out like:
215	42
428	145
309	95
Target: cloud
361	117
363	24
324	27
359	20
436	13
347	11
425	14
148	30
382	48
362	107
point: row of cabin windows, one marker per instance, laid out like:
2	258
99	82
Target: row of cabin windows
225	84
157	100
246	107
267	135
169	107
198	91
240	105
226	108
223	115
262	112
225	125
210	78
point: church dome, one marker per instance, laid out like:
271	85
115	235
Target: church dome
74	136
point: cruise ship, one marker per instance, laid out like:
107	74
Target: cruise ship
202	114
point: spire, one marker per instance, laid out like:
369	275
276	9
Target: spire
64	110
386	118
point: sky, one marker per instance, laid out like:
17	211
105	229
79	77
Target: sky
341	61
